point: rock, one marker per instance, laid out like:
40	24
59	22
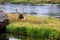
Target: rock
3	21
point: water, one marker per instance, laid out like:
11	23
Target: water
18	37
40	9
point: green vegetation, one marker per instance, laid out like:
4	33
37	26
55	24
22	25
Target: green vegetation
35	1
37	27
1	0
32	1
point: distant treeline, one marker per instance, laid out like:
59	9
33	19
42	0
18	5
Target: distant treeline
31	1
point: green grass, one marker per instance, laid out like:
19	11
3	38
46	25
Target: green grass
33	1
1	0
37	27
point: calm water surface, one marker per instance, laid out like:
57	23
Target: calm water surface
17	37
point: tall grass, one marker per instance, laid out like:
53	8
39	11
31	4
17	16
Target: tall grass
35	30
34	26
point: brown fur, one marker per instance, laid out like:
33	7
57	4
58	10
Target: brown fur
21	16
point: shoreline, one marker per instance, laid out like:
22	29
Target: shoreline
27	3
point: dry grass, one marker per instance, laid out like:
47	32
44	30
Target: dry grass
14	17
52	22
43	27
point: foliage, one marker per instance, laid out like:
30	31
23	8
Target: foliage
33	1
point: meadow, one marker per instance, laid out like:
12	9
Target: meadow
48	27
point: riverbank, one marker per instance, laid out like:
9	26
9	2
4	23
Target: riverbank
32	1
36	1
33	26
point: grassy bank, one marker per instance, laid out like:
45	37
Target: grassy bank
33	26
32	1
35	1
1	1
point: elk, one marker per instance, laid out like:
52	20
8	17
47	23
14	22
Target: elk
21	17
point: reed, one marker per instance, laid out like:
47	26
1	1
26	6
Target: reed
36	30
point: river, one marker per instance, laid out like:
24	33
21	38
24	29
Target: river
41	10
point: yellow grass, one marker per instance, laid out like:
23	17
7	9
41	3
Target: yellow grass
54	23
14	17
35	25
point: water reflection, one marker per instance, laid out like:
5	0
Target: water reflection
3	37
18	37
